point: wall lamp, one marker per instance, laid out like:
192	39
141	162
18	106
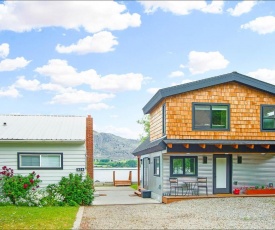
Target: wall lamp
204	159
239	159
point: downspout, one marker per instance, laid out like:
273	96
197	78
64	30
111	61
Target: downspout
138	172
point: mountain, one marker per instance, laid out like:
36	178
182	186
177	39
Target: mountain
110	146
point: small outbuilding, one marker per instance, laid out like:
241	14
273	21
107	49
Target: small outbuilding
52	146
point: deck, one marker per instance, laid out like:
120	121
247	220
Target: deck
170	199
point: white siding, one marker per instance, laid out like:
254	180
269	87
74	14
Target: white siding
74	156
256	169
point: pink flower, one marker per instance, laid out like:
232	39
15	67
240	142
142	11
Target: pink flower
33	172
4	167
37	176
25	186
31	180
37	186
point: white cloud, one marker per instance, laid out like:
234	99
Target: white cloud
93	16
101	42
61	73
182	7
80	96
176	74
13	64
201	62
4	50
182	66
115	83
122	131
152	90
261	25
32	85
266	75
242	8
98	106
9	92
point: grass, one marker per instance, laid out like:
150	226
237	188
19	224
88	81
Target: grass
13	217
134	186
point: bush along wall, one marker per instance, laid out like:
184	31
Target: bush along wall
25	191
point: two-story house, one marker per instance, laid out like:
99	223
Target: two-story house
222	128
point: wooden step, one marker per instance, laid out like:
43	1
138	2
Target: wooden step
122	183
138	193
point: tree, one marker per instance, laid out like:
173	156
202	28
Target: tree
145	121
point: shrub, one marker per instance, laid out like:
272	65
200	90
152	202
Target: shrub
54	198
4	201
17	186
75	189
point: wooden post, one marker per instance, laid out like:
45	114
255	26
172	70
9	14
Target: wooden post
89	147
114	178
130	176
138	172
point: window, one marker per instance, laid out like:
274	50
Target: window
156	166
40	160
210	116
183	166
268	117
163	119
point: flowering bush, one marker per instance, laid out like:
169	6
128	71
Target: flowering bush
23	190
17	186
5	201
75	189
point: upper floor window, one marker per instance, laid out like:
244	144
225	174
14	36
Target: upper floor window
210	116
40	160
164	119
268	117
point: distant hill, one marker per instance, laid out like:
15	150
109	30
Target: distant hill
110	146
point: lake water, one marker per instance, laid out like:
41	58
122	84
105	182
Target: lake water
106	174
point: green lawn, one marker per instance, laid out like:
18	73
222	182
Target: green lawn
134	186
13	217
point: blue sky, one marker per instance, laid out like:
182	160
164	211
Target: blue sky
108	58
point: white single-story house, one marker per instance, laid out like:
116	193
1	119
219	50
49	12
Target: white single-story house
52	146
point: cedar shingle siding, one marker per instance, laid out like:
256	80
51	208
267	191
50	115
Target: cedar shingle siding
245	108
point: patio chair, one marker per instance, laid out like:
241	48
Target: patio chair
174	185
202	183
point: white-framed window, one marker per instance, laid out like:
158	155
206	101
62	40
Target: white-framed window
156	166
40	160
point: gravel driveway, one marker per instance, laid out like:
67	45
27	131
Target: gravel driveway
218	213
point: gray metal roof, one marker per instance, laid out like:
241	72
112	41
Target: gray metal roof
42	128
149	147
230	77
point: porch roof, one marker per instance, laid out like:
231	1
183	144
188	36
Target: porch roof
149	147
223	142
205	146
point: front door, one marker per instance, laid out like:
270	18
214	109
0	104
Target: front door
145	172
222	173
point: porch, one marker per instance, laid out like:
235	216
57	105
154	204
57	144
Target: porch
170	199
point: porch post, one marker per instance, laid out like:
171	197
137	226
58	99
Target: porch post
138	173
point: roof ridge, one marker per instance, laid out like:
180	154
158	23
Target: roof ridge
208	82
